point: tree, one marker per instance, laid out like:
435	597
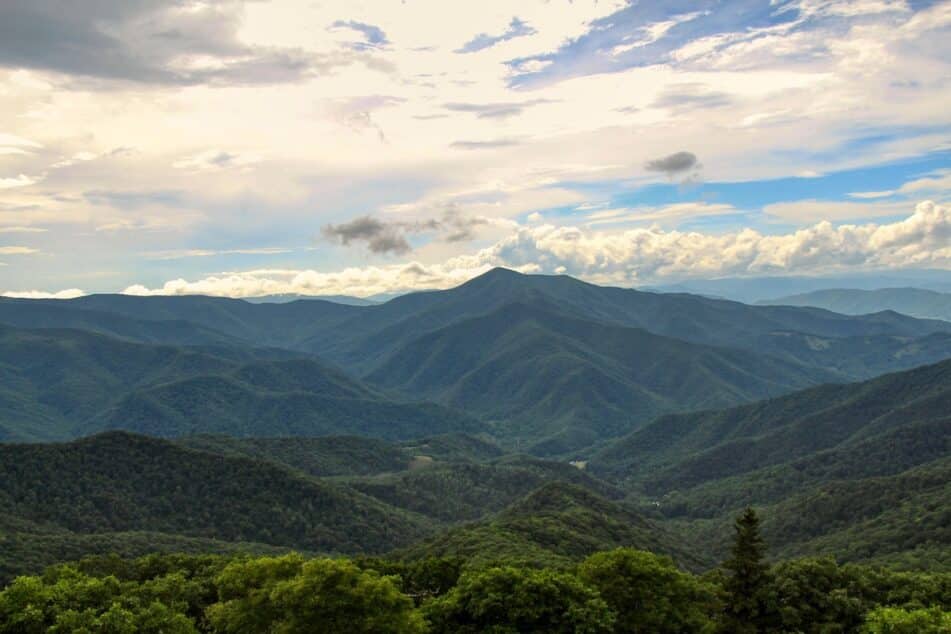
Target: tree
647	592
899	621
506	600
287	595
747	582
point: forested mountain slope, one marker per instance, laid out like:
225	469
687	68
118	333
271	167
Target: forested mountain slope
59	384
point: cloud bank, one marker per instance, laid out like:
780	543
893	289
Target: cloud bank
923	239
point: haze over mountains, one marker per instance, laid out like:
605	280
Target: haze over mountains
311	420
916	302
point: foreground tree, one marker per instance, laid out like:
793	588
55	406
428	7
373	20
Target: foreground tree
898	621
648	593
289	596
506	600
747	582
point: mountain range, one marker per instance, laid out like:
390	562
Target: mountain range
545	363
916	302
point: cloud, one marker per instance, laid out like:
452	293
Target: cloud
380	237
69	293
373	36
204	253
22	230
812	210
482	41
483	145
13	144
149	41
17	250
356	113
494	110
689	96
923	239
215	160
673	164
18	181
390	236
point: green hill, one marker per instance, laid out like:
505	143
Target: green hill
858	470
118	482
59	384
556	524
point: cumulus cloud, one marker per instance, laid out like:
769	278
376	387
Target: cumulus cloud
482	41
69	293
923	239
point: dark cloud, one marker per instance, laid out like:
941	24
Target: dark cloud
691	96
390	237
494	110
482	145
380	237
150	41
673	164
517	28
374	37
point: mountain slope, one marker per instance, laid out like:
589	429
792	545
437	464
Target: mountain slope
685	450
119	482
557	524
57	384
916	302
547	375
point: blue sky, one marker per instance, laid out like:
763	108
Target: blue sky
244	148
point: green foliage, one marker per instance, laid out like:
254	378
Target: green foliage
290	595
120	482
507	599
648	593
897	621
556	525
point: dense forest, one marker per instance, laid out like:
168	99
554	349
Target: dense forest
619	590
518	454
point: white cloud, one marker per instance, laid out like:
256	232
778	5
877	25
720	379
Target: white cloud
922	239
69	293
204	253
21	230
15	250
17	181
811	210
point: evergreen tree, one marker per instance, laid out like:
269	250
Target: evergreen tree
747	582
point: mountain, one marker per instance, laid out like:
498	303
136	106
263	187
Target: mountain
550	363
556	524
869	454
572	381
59	384
290	297
119	482
916	302
755	289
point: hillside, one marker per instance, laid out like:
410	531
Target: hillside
917	302
118	482
557	524
859	470
570	382
689	449
59	384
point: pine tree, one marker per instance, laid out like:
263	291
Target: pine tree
747	582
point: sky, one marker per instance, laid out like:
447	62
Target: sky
244	148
